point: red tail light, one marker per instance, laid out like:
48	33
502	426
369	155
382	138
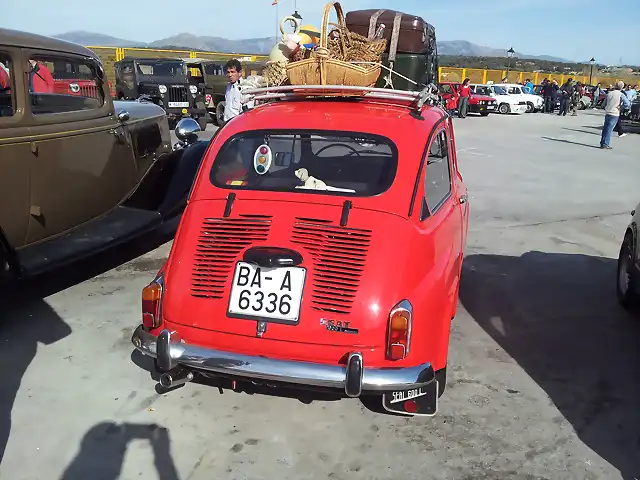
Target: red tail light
399	335
152	303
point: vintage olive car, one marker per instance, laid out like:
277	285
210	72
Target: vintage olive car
78	171
164	81
210	77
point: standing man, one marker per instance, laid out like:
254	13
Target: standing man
463	101
613	103
566	92
528	85
596	95
232	94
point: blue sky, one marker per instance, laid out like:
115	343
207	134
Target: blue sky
571	29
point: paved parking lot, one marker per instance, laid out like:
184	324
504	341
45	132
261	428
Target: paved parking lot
544	366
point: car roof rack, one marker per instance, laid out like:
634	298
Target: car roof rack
414	100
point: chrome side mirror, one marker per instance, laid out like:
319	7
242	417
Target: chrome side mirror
123	116
187	130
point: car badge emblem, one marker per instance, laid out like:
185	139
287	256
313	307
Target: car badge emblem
338	326
261	329
74	87
185	111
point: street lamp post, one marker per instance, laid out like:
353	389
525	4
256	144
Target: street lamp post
510	53
592	62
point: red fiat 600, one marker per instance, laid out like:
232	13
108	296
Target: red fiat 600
321	247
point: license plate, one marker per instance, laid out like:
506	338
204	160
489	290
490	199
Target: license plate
178	104
424	400
490	107
271	294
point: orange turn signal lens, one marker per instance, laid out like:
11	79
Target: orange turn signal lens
152	292
151	303
399	334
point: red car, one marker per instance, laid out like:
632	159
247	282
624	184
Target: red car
481	104
321	247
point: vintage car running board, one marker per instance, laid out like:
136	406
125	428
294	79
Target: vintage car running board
118	226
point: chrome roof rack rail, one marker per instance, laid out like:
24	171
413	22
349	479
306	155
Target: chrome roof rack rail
414	100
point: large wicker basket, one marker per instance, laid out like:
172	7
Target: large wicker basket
323	68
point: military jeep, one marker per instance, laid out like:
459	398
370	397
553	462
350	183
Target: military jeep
164	82
210	78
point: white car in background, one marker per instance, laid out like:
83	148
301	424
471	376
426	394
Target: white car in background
505	103
535	103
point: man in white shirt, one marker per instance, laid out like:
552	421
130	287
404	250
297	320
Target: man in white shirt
232	95
612	105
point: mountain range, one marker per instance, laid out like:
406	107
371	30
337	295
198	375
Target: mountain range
262	46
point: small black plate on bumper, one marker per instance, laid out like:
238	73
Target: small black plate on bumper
417	400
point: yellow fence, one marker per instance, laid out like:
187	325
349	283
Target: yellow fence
110	55
451	74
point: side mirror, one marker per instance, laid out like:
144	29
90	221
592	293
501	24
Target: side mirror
123	116
187	130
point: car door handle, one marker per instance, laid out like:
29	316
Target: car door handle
463	199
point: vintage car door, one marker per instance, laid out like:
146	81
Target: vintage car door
81	164
14	153
459	187
438	210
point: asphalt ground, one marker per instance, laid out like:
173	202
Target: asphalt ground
544	366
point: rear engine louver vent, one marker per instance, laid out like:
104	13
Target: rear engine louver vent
219	243
339	256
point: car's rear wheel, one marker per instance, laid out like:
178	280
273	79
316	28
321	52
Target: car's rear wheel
220	113
626	280
504	108
203	121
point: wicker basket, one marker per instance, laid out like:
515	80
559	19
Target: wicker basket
325	69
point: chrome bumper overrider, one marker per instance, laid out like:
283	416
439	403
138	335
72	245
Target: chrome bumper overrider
354	378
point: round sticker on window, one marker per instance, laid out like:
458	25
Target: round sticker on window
262	159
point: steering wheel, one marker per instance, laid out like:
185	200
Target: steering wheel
353	150
364	151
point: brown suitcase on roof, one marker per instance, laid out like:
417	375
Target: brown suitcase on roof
412	30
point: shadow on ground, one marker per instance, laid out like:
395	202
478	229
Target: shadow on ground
569	141
104	447
557	316
27	319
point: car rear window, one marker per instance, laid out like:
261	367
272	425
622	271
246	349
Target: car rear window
325	162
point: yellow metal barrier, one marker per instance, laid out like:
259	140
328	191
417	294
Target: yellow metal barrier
110	55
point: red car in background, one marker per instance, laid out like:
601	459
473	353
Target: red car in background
481	104
309	255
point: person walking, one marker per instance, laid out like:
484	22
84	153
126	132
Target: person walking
613	104
574	101
465	94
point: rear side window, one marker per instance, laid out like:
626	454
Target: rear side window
59	84
437	181
325	162
7	93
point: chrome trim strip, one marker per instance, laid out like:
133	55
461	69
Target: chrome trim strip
302	373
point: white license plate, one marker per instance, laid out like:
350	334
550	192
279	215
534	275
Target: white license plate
267	293
178	104
490	107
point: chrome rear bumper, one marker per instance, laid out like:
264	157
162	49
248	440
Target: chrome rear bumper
354	378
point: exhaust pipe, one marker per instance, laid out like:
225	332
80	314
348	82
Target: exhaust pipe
175	378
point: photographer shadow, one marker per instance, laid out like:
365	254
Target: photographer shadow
557	316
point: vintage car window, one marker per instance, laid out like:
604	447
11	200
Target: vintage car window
59	84
127	69
7	98
169	69
326	162
446	89
214	69
514	90
437	180
499	90
483	90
